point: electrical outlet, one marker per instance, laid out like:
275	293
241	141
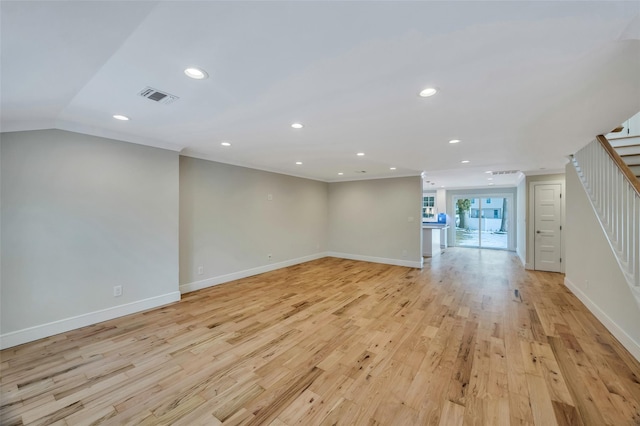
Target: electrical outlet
200	270
117	291
270	197
269	257
404	253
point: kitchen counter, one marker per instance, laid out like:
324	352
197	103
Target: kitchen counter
434	238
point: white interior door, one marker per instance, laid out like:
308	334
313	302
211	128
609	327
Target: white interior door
548	222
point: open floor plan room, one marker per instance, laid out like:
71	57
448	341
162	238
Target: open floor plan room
473	338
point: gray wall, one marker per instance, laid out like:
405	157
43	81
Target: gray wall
228	224
591	267
371	218
521	220
81	214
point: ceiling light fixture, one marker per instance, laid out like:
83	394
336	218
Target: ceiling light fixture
360	154
465	161
297	126
340	174
429	91
392	168
196	73
121	117
489	178
488	171
225	143
454	141
299	163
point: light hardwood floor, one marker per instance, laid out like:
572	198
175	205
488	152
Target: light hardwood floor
339	342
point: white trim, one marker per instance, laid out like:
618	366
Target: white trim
522	259
188	152
30	334
220	279
397	262
627	341
531	219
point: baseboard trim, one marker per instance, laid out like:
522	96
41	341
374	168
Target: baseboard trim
627	341
30	334
221	279
397	262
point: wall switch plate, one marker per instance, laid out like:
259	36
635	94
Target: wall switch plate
200	270
270	197
269	257
117	291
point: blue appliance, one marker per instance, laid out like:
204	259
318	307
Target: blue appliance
442	218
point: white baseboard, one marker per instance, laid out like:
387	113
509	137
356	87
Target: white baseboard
30	334
631	345
397	262
220	279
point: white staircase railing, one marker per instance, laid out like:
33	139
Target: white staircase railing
615	196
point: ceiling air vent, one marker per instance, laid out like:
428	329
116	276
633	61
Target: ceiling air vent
360	171
505	172
157	95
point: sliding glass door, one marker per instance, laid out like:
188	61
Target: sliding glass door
482	222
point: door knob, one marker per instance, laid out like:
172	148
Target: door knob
537	232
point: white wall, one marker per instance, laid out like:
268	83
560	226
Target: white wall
521	220
592	272
80	215
369	220
228	225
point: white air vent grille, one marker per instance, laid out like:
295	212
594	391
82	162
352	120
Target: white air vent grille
158	95
505	172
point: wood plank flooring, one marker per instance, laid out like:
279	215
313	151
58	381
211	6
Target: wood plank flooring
339	342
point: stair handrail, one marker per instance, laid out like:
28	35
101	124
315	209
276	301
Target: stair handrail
614	193
633	180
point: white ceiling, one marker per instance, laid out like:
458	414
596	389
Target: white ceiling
522	84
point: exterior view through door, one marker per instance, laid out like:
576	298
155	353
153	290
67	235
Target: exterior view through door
482	221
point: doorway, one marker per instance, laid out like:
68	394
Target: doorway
483	221
547	221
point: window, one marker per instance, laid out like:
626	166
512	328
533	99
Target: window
428	206
496	214
488	200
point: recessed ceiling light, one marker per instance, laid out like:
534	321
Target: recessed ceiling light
454	141
429	91
360	154
297	126
465	161
196	73
340	174
489	178
121	117
225	143
299	163
488	171
392	168
441	186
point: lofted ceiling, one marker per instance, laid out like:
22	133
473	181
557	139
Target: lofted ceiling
521	84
